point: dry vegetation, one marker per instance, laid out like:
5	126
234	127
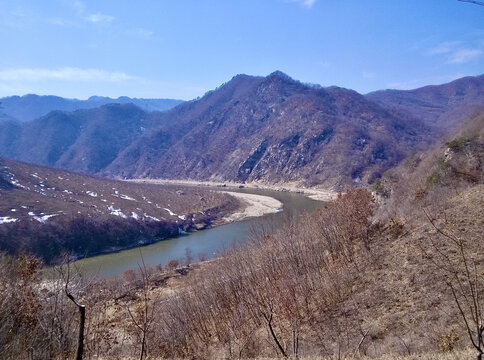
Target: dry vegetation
402	278
46	211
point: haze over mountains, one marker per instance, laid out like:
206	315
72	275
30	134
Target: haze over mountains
442	105
268	129
29	107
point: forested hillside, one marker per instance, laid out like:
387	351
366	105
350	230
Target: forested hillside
48	212
252	129
397	273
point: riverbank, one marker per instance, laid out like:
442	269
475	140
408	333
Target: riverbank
253	206
313	193
210	242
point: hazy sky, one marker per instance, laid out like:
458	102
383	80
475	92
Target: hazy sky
182	48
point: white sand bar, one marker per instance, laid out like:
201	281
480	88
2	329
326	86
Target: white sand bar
313	193
255	205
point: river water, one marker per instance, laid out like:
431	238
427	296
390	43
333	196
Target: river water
209	242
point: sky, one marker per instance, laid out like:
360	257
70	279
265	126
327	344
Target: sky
182	48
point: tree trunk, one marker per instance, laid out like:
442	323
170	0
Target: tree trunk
276	340
82	321
80	340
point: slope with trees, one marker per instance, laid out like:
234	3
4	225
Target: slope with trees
47	212
252	129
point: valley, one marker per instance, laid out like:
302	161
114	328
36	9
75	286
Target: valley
242	180
269	130
381	258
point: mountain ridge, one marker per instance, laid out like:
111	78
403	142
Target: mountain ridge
31	106
271	129
447	104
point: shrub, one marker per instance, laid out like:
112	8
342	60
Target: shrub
449	341
457	144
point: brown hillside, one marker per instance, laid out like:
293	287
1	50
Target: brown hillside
445	106
47	211
272	130
337	283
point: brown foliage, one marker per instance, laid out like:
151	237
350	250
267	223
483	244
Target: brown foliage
276	292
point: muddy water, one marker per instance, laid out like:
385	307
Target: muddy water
209	242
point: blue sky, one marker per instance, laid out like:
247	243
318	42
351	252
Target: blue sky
183	48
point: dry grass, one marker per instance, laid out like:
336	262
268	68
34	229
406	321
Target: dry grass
455	355
330	283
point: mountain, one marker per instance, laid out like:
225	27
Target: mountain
274	130
29	107
436	175
47	211
445	106
251	129
83	140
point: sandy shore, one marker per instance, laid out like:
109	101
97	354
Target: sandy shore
313	193
254	205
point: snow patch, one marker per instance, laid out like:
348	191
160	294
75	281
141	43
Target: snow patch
42	219
91	193
14	181
122	196
134	215
117	212
170	212
151	217
126	197
183	217
7	219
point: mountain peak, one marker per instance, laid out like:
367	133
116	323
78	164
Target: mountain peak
279	75
97	98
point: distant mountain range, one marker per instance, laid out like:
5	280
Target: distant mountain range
441	105
267	129
29	107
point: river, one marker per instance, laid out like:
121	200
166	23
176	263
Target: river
208	242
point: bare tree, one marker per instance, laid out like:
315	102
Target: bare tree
464	277
143	315
67	277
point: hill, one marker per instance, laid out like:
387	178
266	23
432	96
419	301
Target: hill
444	106
344	280
47	211
359	278
430	178
29	107
84	140
271	130
274	130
